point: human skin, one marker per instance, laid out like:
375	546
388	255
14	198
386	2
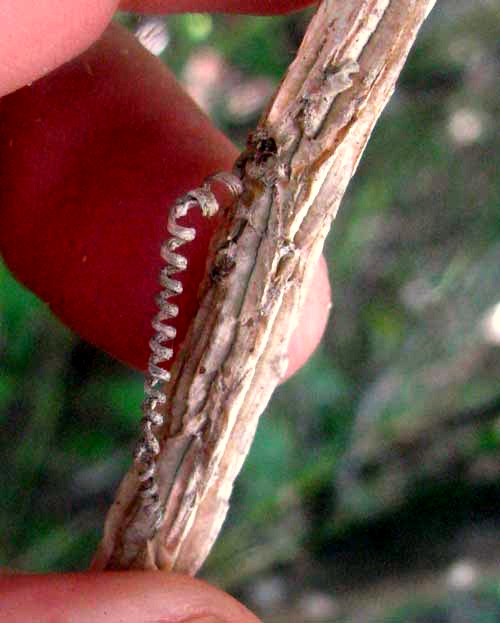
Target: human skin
91	155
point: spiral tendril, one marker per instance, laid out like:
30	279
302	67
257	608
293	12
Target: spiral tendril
148	448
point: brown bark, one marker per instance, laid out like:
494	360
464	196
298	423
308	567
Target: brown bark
295	172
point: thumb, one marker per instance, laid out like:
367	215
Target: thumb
116	597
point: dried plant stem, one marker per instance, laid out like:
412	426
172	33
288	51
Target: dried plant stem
294	172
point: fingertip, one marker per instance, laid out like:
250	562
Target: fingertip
116	597
36	37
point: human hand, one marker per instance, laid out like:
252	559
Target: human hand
91	156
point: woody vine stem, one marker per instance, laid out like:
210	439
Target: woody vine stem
157	376
289	181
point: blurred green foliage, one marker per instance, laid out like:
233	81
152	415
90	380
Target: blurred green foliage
400	404
478	606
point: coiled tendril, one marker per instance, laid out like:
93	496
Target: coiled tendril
148	448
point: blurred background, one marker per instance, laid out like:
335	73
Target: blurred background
372	489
